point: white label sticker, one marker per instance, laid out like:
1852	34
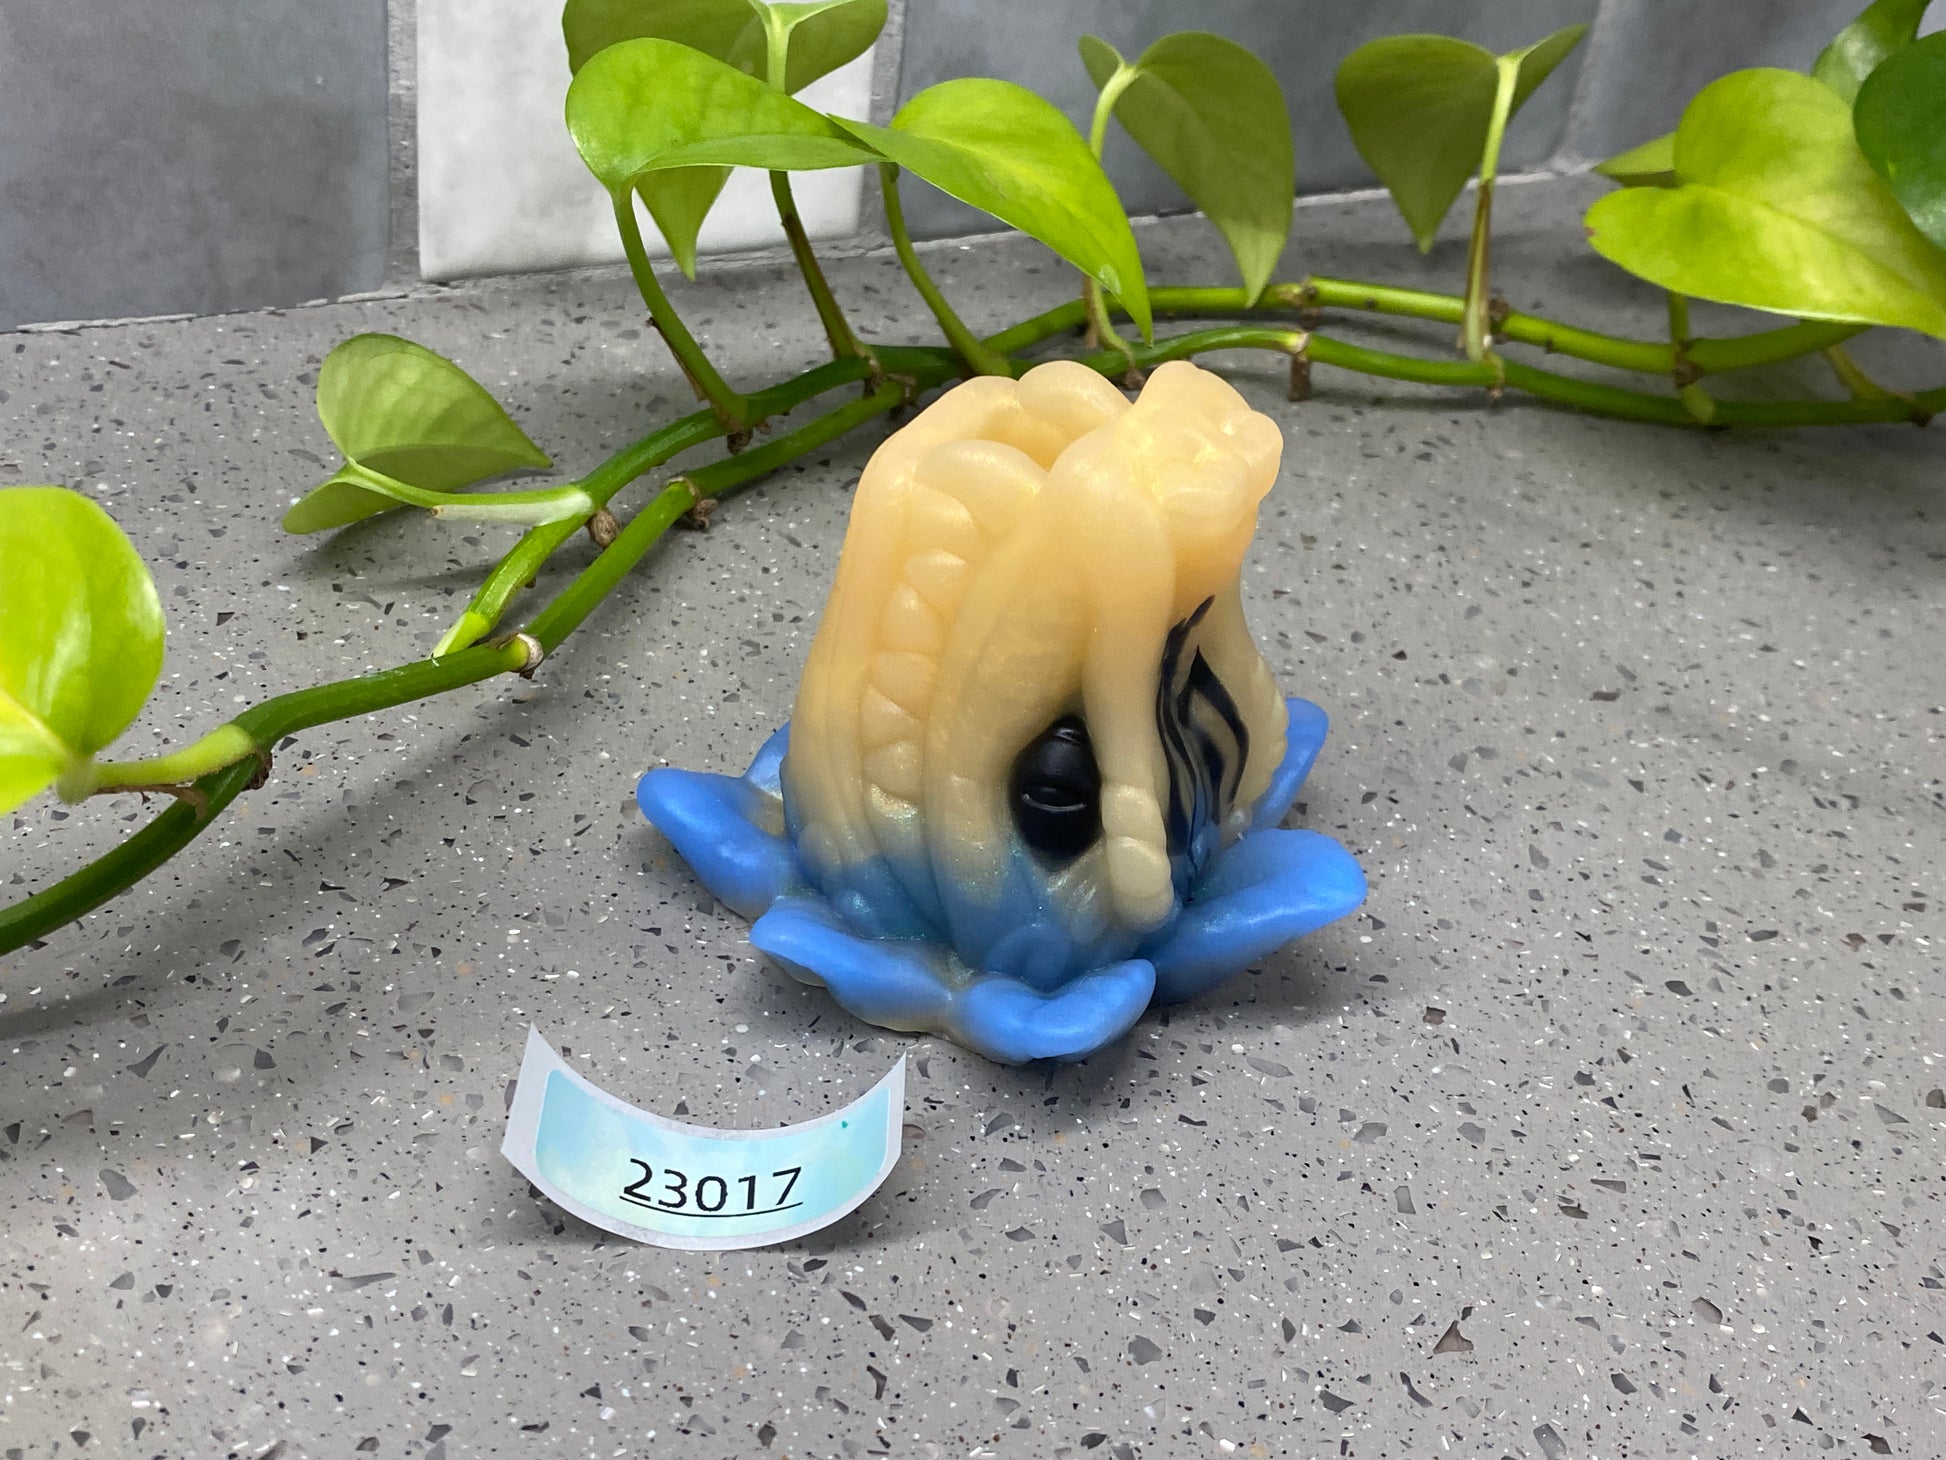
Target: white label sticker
679	1185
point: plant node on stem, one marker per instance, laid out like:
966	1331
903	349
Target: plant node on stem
533	652
602	527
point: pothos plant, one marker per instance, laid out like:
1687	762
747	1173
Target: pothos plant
1821	197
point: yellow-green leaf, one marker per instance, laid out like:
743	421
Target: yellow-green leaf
1651	165
80	636
1005	150
647	105
1423	110
821	38
1855	52
402	410
1775	208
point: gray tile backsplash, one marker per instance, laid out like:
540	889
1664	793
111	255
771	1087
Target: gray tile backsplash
1033	42
1652	56
175	156
186	156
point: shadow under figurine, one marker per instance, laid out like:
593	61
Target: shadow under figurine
1037	765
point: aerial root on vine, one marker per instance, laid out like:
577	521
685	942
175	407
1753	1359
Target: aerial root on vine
1300	386
603	529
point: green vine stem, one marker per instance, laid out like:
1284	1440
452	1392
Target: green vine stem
1678	320
1476	327
247	741
252	735
1862	387
518	568
732	408
837	329
1099	323
1591	396
1708	356
225	745
566	613
569	504
35	917
978	358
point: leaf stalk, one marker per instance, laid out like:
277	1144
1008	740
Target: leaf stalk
978	358
731	408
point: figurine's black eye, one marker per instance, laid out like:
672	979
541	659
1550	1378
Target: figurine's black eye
1055	791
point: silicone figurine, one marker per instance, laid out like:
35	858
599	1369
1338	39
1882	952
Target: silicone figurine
1036	769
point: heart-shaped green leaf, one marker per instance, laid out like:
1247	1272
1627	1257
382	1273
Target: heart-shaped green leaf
823	35
80	636
679	199
1775	208
730	30
1856	51
820	38
1423	108
402	410
1006	151
1900	120
1652	165
644	106
1213	117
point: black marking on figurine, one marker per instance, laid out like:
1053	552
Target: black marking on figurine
1055	792
1203	738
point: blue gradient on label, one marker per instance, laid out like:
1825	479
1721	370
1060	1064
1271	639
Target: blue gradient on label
697	1186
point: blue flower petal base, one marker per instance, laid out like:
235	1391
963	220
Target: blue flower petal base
1269	886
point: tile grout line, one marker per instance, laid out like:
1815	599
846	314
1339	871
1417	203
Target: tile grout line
888	70
1569	155
402	126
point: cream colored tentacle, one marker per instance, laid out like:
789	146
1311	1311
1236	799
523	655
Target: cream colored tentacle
823	763
1130	582
1011	665
967	496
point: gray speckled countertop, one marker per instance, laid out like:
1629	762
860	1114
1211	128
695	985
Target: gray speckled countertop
1612	1126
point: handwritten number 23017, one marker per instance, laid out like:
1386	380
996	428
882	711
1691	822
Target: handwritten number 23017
670	1190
